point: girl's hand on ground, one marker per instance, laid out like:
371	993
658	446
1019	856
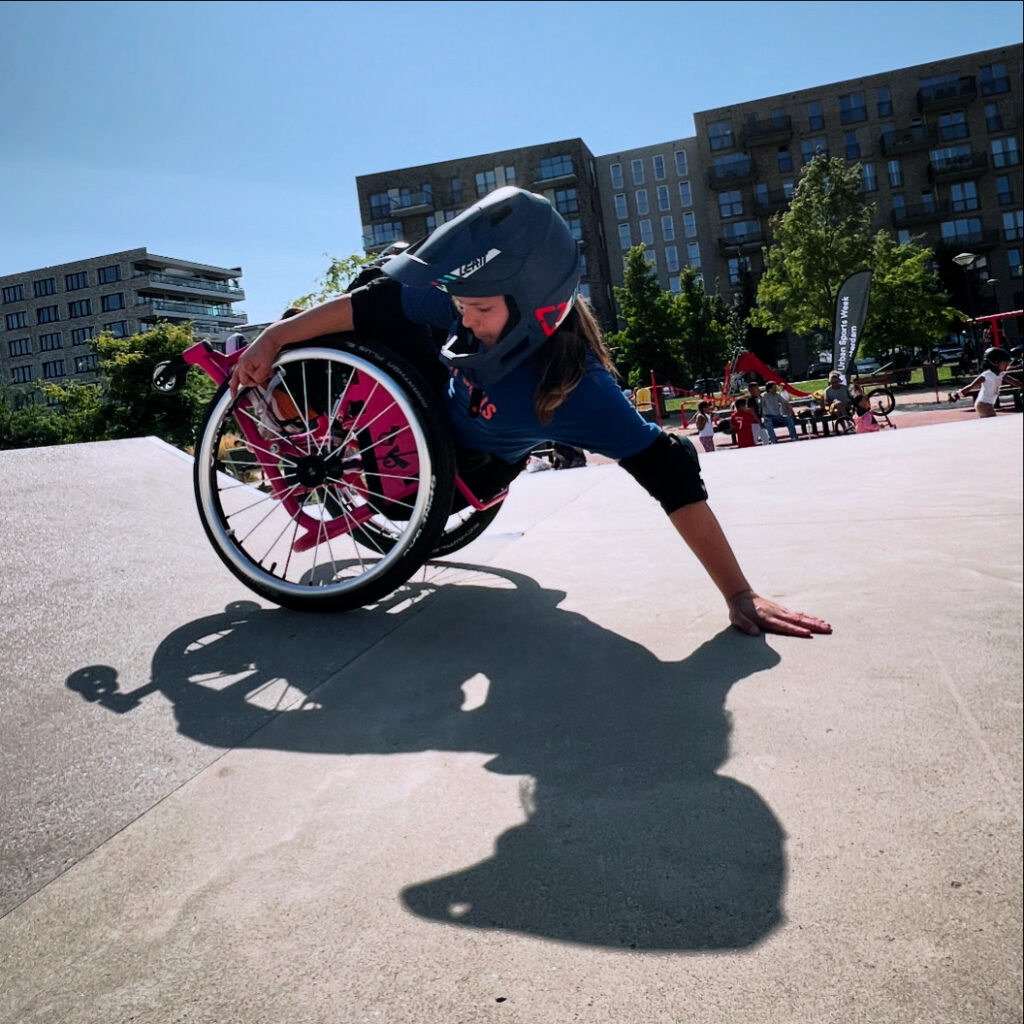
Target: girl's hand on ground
751	614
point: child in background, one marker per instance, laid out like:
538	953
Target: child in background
705	422
863	415
743	422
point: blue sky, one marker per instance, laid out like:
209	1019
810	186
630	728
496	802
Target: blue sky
232	133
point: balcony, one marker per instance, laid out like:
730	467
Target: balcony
921	213
410	203
982	238
764	133
771	201
735	172
963	90
167	309
186	283
972	165
741	242
557	172
910	140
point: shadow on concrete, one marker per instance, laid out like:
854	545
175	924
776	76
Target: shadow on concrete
632	838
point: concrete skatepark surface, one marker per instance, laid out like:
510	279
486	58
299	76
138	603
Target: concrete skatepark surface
544	782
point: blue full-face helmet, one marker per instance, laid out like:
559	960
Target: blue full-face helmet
512	243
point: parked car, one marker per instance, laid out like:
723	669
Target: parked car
708	386
866	367
947	354
816	370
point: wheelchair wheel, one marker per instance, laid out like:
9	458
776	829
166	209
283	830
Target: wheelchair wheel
882	399
296	483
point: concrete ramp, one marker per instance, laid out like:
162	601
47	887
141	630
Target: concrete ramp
542	783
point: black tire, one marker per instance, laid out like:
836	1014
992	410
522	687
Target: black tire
882	399
367	397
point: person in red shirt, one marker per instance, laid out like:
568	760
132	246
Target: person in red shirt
743	421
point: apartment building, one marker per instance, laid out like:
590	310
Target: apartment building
655	196
47	316
409	203
940	148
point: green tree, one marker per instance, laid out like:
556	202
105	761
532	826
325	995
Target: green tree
707	327
335	279
652	338
822	238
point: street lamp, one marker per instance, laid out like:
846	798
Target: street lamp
967	260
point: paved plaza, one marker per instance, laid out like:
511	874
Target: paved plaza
544	783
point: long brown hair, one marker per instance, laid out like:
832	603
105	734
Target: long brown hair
577	335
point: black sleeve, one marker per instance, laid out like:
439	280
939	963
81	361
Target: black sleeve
668	469
377	308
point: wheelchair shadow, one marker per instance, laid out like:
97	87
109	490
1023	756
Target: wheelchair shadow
632	837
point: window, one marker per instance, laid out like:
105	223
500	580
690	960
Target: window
620	206
690	224
685	194
993	117
111	302
869	176
14	293
994	80
510	173
668	228
671	259
681	164
53	369
720	135
730	204
1013	258
787	187
957	232
80	307
556	166
785	159
642	206
884	103
575	228
456	190
815	118
49	342
852	108
384	234
21	374
15	320
738	267
616	175
899	203
46	286
566	201
646	233
810	148
664	202
851	145
1013	225
19	347
47	315
83	364
585	291
964	196
625	237
953	126
72	282
950	158
119	328
895	174
693	255
659	168
1003	190
674	285
380	206
636	168
742	231
109	275
486	181
1004	153
903	236
583	264
652	258
80	335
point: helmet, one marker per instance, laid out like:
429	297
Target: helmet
512	243
994	356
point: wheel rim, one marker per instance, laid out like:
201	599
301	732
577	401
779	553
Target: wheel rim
282	503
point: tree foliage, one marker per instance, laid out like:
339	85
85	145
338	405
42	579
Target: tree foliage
335	279
823	238
674	336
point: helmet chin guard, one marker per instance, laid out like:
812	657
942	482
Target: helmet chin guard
514	244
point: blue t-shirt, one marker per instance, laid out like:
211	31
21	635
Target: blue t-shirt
596	416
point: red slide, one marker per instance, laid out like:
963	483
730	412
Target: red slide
748	362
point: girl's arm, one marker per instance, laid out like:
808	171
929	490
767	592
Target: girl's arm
748	612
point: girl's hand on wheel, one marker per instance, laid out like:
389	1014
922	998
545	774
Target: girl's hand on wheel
751	614
254	367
